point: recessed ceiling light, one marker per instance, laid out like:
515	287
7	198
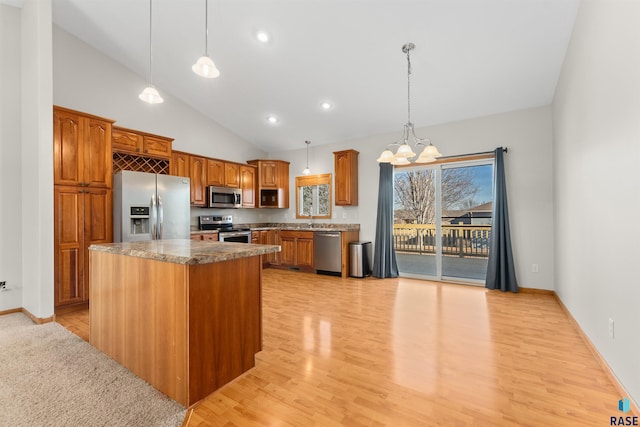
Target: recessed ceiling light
272	119
326	105
263	36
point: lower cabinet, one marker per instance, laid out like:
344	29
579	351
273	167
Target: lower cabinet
213	237
82	216
270	237
296	249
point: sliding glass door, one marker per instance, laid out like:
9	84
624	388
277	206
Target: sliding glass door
442	220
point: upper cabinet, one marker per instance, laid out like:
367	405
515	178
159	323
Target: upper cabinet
81	149
273	183
346	181
232	175
248	185
204	171
215	172
198	177
140	143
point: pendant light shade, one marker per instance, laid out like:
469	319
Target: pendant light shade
306	170
404	150
204	66
150	94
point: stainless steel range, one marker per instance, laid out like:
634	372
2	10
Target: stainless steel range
224	225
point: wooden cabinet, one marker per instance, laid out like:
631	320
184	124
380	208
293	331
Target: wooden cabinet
296	249
140	143
255	237
205	236
346	180
268	173
215	172
194	168
81	149
270	237
223	174
180	164
82	217
248	185
198	177
82	199
232	175
273	183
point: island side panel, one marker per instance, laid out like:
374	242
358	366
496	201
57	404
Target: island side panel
138	316
225	322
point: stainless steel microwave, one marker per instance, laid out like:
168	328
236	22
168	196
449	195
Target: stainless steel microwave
223	197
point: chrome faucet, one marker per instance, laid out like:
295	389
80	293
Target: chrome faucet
310	219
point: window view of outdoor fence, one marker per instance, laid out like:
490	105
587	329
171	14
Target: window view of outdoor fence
457	240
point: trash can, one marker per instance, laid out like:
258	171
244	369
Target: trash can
360	253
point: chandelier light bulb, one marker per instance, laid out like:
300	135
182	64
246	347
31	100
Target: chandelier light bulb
386	157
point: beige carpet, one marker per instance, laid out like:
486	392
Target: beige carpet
51	377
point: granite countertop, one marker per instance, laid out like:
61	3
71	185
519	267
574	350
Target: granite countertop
297	226
185	251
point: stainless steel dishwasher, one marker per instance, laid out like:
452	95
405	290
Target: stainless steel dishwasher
327	252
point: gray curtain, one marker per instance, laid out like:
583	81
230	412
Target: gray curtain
501	273
384	256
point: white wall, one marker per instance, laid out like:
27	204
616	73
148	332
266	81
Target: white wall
526	133
10	153
86	80
596	115
37	159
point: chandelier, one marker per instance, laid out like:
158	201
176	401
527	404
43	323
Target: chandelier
404	150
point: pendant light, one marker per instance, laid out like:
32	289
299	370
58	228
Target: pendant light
404	150
204	66
150	94
306	170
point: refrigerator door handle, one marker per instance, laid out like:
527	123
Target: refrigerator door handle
160	218
154	218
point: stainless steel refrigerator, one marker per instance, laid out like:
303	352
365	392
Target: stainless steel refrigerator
149	206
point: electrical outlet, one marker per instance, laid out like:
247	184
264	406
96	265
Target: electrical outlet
3	285
611	328
534	268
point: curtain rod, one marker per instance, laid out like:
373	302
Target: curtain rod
504	150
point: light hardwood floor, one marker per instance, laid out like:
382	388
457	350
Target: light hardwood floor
406	352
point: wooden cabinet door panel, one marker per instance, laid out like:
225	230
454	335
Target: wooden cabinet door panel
98	214
197	166
180	164
158	147
248	186
68	245
97	153
269	175
215	172
123	140
288	250
98	225
232	175
304	252
346	167
67	148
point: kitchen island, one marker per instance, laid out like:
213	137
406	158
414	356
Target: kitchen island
183	315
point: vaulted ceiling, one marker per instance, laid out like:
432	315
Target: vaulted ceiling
472	58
